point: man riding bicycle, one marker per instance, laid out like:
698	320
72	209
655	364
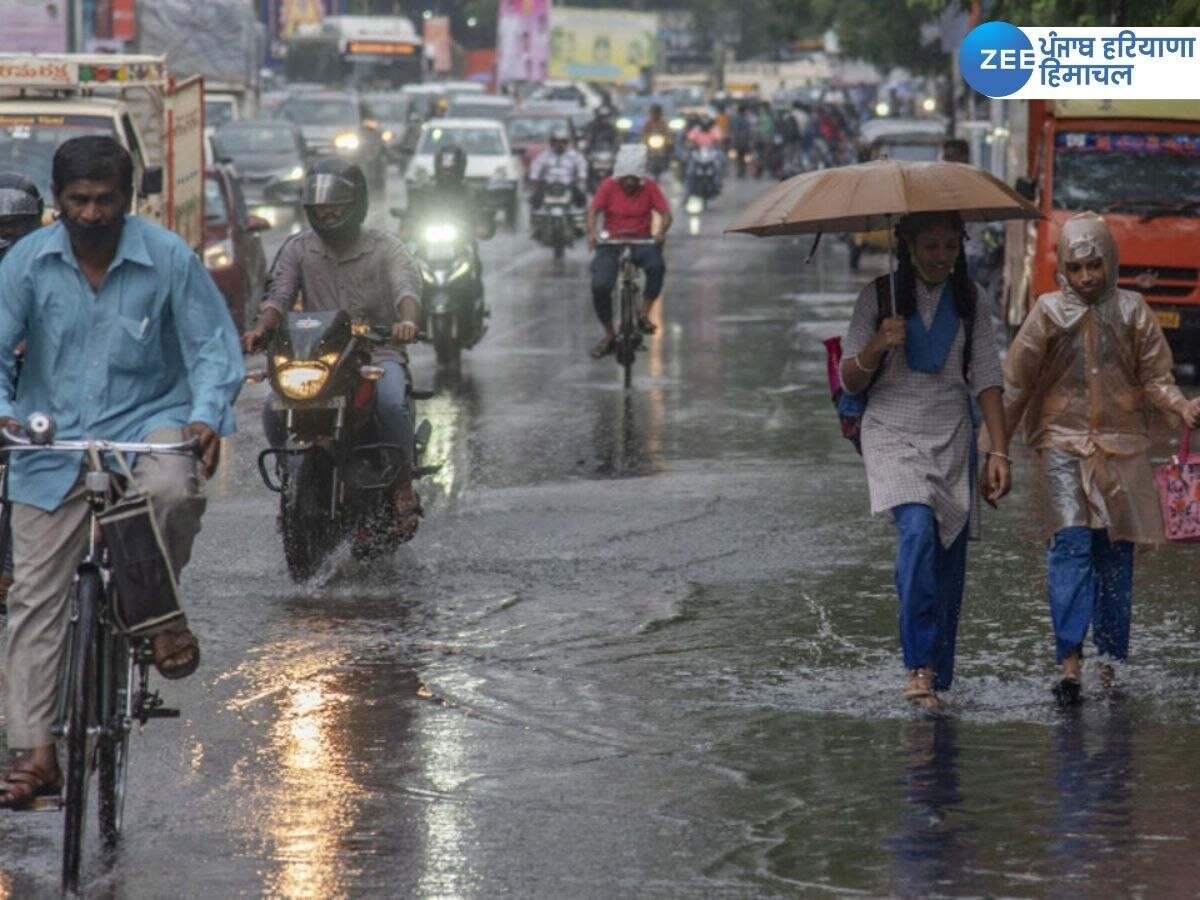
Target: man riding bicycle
338	264
127	339
627	201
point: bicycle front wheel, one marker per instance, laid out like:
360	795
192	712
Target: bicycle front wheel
113	749
82	721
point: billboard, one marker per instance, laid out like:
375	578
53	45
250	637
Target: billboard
285	16
523	40
437	42
33	26
609	45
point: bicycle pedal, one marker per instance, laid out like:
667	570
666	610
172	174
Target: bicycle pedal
160	712
425	471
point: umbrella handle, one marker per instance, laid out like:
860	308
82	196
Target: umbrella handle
891	262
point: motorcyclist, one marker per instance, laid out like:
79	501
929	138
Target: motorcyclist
656	123
21	208
451	199
601	132
561	164
704	134
628	202
337	264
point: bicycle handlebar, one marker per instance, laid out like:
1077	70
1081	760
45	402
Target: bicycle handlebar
621	242
15	442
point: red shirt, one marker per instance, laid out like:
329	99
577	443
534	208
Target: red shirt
625	215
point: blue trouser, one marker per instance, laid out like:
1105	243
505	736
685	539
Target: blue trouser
391	409
606	268
1091	583
929	581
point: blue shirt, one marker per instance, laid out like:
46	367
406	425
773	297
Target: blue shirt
155	347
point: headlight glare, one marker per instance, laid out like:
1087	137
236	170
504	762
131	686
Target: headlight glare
677	124
219	255
441	234
347	141
656	141
624	123
295	173
302	381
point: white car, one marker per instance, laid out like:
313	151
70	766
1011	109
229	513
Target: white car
492	168
578	92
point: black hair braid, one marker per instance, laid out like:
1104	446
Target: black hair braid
906	283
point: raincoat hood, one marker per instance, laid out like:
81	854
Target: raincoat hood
631	160
1082	236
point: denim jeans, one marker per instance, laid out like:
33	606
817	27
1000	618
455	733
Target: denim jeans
1091	584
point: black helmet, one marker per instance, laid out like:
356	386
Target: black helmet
19	196
605	111
335	181
450	164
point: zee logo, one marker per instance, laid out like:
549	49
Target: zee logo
996	59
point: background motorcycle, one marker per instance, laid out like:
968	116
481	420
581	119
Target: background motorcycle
334	476
600	160
557	221
658	154
704	163
452	289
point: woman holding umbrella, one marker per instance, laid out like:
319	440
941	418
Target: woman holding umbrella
921	356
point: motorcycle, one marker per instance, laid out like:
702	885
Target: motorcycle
704	169
600	160
452	289
335	478
557	221
658	154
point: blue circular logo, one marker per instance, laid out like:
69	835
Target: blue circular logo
996	59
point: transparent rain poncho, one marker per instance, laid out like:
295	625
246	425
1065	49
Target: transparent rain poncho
1080	377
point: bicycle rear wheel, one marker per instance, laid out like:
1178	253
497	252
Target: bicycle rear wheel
82	719
628	336
113	749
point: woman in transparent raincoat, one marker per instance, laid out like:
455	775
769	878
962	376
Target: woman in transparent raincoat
1080	375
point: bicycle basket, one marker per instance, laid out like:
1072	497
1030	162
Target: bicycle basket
147	595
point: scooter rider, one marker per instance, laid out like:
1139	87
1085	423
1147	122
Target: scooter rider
450	198
561	164
704	134
338	264
601	132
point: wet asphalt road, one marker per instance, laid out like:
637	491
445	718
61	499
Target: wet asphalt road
643	646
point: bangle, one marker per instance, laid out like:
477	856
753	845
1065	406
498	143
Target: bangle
1003	456
861	367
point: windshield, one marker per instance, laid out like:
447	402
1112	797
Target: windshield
28	142
259	139
637	106
214	202
918	151
1143	172
217	112
473	141
320	111
390	108
533	128
477	110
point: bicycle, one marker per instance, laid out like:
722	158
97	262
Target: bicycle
628	338
96	705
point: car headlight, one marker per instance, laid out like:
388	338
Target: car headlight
929	104
459	271
295	173
269	213
302	381
656	141
388	135
440	234
677	124
347	141
882	109
624	124
219	255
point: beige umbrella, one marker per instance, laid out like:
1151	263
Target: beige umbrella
873	196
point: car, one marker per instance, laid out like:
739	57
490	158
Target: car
432	97
233	251
580	93
270	158
338	123
492	168
529	130
479	107
396	113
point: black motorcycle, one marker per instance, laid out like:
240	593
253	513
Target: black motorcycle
557	222
452	289
704	168
335	477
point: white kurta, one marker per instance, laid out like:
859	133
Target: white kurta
917	430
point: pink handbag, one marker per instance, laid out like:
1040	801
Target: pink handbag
1178	484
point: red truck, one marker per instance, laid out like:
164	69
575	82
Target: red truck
1137	163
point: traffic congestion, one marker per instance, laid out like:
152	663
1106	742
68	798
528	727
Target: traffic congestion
340	560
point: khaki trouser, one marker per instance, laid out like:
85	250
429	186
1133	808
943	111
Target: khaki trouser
47	548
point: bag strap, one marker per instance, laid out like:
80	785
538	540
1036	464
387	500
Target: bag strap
1185	448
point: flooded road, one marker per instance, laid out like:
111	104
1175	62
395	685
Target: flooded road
643	645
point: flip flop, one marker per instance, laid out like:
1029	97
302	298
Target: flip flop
416	511
604	347
32	782
175	641
646	326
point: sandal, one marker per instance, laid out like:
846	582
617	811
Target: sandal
1108	675
26	782
405	515
645	326
173	643
919	692
604	347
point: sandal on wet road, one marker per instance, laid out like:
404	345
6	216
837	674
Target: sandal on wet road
646	326
408	518
604	347
176	653
25	782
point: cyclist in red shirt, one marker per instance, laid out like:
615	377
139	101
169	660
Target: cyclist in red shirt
628	201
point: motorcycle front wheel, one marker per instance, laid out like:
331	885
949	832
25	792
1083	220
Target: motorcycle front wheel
308	531
445	344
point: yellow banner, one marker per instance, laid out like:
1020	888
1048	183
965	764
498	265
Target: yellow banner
609	45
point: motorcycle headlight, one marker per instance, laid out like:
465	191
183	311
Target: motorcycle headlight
219	255
302	381
656	141
459	271
677	124
624	124
441	234
347	141
388	135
